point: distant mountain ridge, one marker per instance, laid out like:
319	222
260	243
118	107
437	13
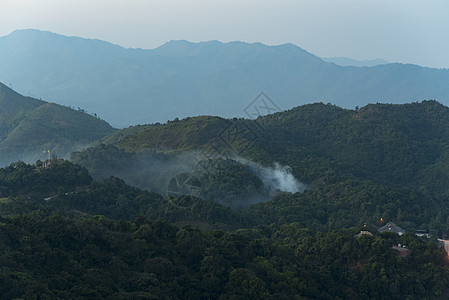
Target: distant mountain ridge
180	78
29	127
346	61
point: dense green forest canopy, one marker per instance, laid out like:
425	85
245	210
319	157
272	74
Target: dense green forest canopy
393	144
63	235
379	161
67	231
402	145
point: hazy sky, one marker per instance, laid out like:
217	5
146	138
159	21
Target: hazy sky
409	31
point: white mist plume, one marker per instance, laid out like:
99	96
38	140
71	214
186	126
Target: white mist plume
281	178
164	172
277	178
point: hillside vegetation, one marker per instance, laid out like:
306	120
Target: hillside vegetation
66	236
29	127
379	161
401	145
214	208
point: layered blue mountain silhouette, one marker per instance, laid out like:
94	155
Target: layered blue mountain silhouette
180	78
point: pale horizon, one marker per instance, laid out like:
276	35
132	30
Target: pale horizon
397	31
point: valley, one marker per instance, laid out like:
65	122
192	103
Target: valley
280	205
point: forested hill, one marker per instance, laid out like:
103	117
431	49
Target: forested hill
183	79
359	166
399	145
403	145
29	127
65	236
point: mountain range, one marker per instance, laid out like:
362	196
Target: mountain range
180	78
281	204
346	61
29	128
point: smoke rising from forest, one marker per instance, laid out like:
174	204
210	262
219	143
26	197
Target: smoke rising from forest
174	173
276	178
